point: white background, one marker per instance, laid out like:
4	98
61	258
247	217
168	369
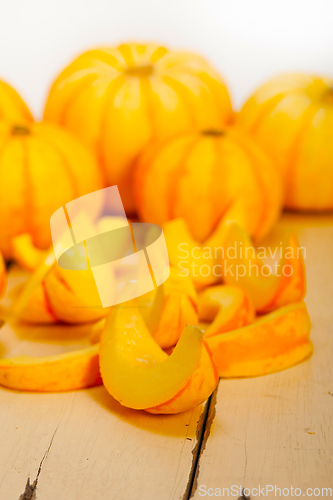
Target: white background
247	40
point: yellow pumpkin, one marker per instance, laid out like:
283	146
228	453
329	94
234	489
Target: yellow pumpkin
292	116
42	167
201	176
3	278
12	106
118	99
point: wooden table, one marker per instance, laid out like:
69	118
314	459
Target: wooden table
273	430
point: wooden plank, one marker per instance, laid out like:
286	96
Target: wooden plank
99	449
93	448
278	430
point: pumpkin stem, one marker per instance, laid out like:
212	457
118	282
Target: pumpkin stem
213	132
144	70
20	130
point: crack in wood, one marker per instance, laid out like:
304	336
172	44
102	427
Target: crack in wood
244	497
30	489
203	431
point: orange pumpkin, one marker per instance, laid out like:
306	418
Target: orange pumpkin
12	106
42	167
292	116
118	99
3	278
201	176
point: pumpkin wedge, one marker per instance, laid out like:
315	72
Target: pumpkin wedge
138	373
226	307
62	372
169	308
270	283
274	342
201	260
25	253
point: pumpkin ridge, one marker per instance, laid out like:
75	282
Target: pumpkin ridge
2	150
178	170
148	89
154	57
88	80
104	115
266	110
125	50
205	78
180	89
15	97
265	194
59	118
28	196
64	161
3	147
140	168
215	168
290	170
103	55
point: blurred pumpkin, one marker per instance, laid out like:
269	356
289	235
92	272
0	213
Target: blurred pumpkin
201	176
117	99
12	106
3	278
42	167
292	116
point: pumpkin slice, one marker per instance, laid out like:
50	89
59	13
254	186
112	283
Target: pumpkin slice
271	282
274	342
201	384
52	294
63	372
227	307
25	253
200	261
139	374
169	308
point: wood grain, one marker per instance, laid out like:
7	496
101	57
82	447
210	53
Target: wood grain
278	429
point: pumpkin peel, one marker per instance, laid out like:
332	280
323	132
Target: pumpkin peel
226	308
63	372
139	374
268	288
272	343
